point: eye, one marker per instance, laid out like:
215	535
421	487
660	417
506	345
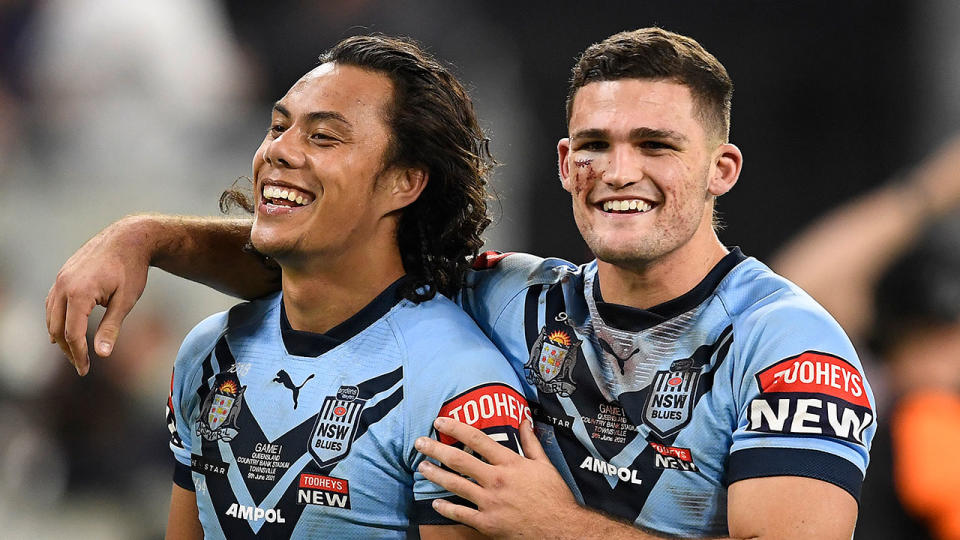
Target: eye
594	146
324	139
656	145
276	129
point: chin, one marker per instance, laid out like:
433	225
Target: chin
271	246
626	254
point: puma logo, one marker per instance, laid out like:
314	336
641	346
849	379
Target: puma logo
620	361
284	379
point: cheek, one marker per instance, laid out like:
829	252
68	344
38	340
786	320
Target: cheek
585	175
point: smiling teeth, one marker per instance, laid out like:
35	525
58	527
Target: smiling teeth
637	205
277	193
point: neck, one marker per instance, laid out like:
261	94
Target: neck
646	284
319	296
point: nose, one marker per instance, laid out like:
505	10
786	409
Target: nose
284	151
625	169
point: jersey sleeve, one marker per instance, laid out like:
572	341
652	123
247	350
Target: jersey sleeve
496	279
183	400
470	381
804	407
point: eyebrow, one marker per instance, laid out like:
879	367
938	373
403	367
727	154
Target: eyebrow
315	115
636	133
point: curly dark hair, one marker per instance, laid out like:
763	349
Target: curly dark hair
433	126
655	53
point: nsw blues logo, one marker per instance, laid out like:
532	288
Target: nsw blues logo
670	402
218	415
336	426
552	359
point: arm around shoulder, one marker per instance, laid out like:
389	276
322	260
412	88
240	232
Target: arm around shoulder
111	270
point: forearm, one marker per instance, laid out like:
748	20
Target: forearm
203	249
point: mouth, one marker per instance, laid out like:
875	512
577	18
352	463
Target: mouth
625	206
283	198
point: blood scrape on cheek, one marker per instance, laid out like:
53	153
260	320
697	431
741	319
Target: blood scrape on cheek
585	176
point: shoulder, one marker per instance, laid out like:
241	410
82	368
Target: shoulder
759	301
499	278
524	268
203	338
437	325
437	336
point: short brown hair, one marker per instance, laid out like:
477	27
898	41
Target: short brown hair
655	53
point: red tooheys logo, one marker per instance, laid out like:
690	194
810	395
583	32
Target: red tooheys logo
490	408
815	373
812	395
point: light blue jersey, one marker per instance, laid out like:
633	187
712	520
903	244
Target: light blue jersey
287	434
651	414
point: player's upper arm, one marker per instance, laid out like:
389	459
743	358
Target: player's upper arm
788	507
443	532
804	408
183	384
184	520
462	376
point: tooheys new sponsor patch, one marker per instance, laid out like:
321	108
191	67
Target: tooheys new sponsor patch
812	394
322	490
495	409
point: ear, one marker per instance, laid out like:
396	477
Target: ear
563	152
725	170
407	186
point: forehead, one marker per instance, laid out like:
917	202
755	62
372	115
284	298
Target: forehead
349	90
627	104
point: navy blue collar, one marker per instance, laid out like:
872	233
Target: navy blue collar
302	343
634	320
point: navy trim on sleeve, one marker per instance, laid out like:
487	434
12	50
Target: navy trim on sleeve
763	462
182	476
424	514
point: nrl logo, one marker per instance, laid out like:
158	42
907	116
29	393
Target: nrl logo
551	362
221	407
332	435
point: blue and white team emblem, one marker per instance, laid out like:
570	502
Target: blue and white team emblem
670	403
220	410
332	435
551	362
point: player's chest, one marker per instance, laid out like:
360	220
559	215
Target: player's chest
260	428
634	403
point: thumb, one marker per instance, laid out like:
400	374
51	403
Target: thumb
529	443
109	329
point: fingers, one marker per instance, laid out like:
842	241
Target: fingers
78	310
106	337
529	443
456	512
478	441
453	458
454	483
48	310
56	315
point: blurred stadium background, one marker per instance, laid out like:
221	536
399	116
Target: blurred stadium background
109	107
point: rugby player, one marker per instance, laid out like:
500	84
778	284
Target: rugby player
679	387
294	416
